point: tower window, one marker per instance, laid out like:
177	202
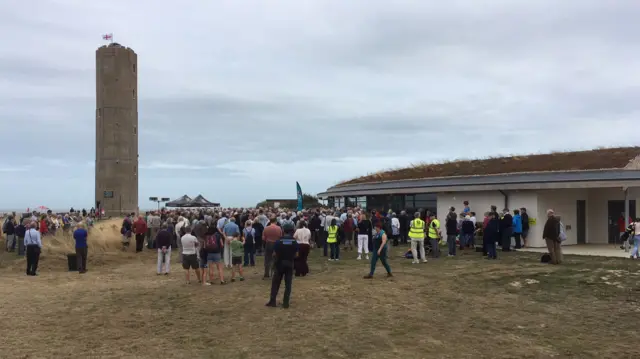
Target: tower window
135	130
134	94
134	68
135	170
99	112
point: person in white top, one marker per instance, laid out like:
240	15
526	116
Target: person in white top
302	236
189	244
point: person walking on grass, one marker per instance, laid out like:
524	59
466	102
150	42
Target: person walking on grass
231	231
303	236
189	245
364	230
163	243
551	235
249	238
332	240
285	251
33	244
416	233
237	252
80	236
380	251
140	230
634	229
213	246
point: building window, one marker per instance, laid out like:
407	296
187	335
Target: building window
135	170
135	130
99	112
134	68
134	94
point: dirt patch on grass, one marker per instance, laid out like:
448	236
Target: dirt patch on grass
463	307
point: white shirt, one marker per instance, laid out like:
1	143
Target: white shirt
395	222
32	237
302	235
327	222
473	219
189	244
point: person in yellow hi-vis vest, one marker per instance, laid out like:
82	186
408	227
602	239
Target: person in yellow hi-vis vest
416	233
332	239
434	236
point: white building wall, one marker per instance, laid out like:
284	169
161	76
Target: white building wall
479	202
564	204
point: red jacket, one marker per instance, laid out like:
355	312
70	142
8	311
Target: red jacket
43	226
140	226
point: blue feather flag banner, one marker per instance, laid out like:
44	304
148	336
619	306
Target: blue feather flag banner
300	205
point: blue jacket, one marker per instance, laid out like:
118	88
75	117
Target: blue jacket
517	224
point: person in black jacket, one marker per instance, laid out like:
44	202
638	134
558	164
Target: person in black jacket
404	227
525	226
10	232
21	229
491	235
451	224
506	229
285	251
316	230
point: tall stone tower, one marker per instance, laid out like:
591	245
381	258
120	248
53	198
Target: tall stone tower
116	129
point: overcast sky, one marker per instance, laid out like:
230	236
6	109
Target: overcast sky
239	99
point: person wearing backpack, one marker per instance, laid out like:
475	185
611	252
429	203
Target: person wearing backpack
249	235
213	247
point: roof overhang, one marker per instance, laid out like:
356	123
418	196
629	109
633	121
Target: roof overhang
517	181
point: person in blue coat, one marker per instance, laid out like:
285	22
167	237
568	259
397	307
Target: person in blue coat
517	228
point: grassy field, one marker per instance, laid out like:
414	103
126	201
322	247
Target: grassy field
463	307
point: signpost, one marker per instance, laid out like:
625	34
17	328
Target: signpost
159	200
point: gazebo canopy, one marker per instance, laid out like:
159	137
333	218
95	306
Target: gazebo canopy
179	202
200	201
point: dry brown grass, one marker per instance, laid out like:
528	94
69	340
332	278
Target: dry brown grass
596	159
465	307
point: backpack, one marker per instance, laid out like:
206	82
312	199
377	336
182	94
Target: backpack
248	236
563	234
212	244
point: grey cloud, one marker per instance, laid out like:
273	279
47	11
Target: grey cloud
366	79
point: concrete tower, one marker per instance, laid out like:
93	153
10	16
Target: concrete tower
117	129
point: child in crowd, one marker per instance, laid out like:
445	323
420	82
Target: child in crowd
237	252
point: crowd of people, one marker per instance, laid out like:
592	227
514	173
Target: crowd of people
210	241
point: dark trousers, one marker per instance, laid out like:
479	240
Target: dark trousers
325	245
249	256
383	259
490	246
335	250
506	238
315	238
404	235
21	248
139	242
285	272
268	259
517	237
81	256
33	257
